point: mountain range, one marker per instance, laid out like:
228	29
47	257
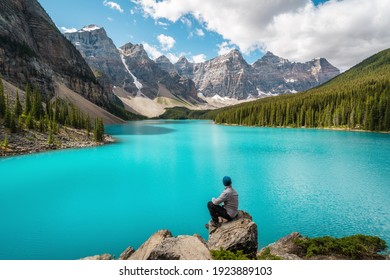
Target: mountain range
86	68
225	78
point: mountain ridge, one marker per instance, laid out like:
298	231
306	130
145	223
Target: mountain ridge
357	99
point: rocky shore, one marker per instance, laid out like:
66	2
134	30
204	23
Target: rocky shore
32	141
237	235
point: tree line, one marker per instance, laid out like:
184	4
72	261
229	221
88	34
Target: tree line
357	99
47	119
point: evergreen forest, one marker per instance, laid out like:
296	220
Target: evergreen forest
356	99
47	119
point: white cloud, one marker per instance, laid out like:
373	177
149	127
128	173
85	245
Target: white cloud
172	57
199	58
164	24
167	42
345	32
153	52
224	48
68	30
199	32
110	19
113	5
186	21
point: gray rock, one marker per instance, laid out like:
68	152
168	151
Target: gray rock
101	55
46	56
143	252
285	247
104	257
239	234
231	76
126	254
181	248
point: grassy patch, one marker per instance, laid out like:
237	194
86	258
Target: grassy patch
356	247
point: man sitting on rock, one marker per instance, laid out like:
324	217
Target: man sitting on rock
229	210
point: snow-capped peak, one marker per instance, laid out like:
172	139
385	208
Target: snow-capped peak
89	28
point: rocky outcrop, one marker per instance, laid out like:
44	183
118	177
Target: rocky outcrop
126	254
163	246
239	234
104	257
181	248
285	248
143	252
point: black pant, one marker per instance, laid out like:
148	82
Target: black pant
217	211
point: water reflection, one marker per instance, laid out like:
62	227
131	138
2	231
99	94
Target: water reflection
138	128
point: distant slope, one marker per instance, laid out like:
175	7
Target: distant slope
356	99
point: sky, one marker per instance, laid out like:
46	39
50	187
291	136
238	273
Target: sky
343	31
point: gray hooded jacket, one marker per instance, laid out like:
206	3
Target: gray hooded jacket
229	197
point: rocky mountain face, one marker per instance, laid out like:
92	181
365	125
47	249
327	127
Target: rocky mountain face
165	64
278	75
231	76
33	51
155	80
101	55
130	68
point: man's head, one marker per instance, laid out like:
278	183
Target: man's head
227	181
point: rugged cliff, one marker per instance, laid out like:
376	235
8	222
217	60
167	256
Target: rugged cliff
231	76
33	51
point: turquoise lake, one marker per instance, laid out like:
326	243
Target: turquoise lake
161	174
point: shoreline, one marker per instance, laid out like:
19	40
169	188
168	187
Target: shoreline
303	127
28	142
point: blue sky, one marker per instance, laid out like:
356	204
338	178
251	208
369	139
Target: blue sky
342	31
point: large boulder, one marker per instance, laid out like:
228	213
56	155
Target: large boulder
285	248
239	234
143	252
104	257
126	254
181	248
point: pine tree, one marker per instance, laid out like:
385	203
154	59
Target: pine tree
27	101
7	115
98	131
50	140
5	142
37	107
88	125
29	121
2	99
18	107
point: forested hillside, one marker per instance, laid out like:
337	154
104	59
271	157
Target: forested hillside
356	99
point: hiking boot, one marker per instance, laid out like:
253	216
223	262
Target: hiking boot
212	226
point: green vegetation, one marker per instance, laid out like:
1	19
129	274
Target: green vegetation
5	142
228	255
356	247
266	255
119	111
182	113
47	119
239	255
356	99
98	132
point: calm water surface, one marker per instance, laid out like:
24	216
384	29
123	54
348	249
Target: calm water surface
161	174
